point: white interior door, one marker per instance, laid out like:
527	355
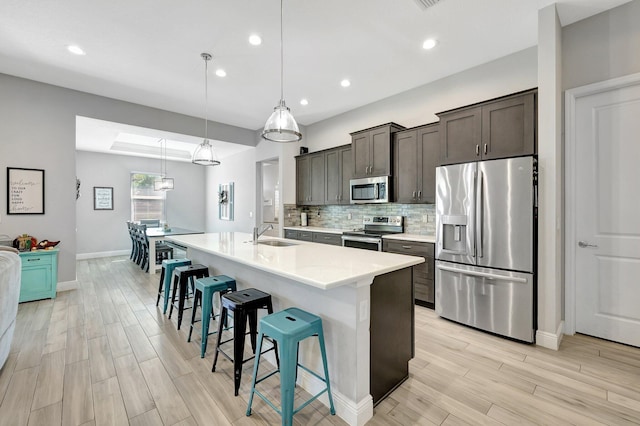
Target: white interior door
607	214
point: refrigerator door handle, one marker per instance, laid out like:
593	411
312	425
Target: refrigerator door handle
480	215
487	275
475	200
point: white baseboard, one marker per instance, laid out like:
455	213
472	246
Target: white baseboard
550	340
67	285
354	413
84	256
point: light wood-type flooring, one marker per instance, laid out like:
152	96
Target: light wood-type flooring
105	355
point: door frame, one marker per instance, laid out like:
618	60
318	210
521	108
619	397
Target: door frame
571	148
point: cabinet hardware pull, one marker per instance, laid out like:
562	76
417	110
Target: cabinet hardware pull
414	194
485	148
477	149
406	247
419	194
32	260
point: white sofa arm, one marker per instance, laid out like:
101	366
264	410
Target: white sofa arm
10	272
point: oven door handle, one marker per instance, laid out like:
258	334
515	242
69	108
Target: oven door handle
361	239
370	240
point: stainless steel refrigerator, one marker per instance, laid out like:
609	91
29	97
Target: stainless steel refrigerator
486	245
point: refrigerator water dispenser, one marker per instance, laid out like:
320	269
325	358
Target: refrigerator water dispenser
454	234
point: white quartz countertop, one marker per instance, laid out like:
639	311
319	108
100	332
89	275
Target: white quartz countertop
317	229
411	237
319	265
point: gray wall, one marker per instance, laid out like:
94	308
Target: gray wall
100	231
38	129
602	47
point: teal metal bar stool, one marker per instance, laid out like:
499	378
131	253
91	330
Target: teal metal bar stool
206	289
168	265
287	328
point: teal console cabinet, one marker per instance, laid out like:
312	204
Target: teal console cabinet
39	275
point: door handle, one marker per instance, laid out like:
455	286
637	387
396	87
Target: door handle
477	149
414	194
485	148
584	244
419	194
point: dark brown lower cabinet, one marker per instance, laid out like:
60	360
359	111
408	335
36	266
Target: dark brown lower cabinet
423	274
392	331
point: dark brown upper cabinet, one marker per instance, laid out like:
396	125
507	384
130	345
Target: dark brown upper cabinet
500	128
338	166
310	179
371	150
416	154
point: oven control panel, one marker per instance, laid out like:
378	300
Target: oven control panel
382	220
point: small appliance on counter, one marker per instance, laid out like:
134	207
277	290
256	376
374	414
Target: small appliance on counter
303	219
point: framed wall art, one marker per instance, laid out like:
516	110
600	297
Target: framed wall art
25	191
225	201
102	198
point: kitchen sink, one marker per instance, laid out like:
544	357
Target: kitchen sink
276	243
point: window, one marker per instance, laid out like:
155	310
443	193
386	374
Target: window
145	202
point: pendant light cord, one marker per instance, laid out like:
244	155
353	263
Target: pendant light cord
281	56
206	98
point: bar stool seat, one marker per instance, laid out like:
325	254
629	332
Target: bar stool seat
287	328
206	288
244	304
164	286
183	277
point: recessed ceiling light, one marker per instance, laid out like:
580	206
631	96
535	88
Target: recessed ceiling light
429	44
304	102
76	50
221	73
255	40
345	83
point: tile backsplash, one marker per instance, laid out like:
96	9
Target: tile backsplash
418	218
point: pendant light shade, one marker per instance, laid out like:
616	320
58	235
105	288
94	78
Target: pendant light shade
163	183
204	154
281	126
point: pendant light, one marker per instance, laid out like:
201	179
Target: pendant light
204	154
281	126
163	183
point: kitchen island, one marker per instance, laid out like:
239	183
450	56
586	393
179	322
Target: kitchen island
365	300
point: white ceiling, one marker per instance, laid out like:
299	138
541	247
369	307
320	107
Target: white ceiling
148	51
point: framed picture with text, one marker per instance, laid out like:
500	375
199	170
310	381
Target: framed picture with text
102	198
25	191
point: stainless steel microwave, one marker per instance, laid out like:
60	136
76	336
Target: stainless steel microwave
370	190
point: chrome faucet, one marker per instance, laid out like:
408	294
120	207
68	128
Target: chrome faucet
257	232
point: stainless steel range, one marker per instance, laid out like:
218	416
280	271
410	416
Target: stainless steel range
374	227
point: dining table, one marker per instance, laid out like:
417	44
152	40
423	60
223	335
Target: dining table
159	234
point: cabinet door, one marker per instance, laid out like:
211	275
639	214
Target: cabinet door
460	136
326	238
361	155
333	181
380	151
346	173
317	179
305	235
291	234
303	176
508	127
428	144
406	167
36	283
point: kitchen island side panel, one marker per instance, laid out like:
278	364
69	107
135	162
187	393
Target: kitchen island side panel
392	331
